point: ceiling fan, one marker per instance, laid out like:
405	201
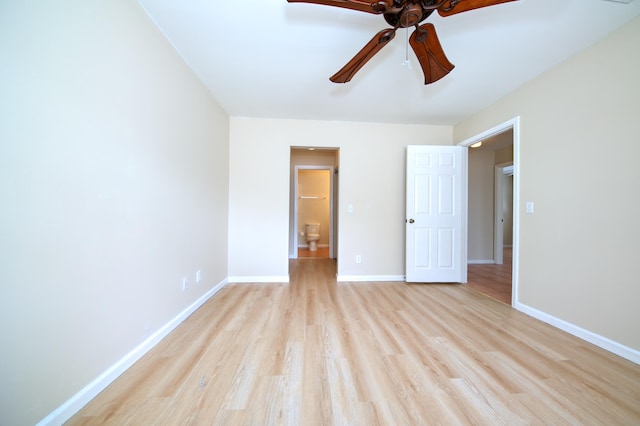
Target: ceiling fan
404	14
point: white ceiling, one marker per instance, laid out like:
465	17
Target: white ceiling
273	59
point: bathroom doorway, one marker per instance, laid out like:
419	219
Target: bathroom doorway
313	201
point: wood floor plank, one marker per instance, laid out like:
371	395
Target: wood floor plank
316	405
493	280
318	352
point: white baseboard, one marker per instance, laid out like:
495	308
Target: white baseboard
374	278
80	399
626	352
265	279
481	262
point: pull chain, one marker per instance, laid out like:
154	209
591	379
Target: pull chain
406	63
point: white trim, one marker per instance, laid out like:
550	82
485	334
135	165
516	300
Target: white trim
259	280
372	278
63	413
498	216
626	352
481	262
464	259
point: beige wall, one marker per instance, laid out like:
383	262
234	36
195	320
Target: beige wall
481	205
507	211
579	250
113	185
372	179
505	155
481	222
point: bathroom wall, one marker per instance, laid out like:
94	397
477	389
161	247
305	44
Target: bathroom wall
314	183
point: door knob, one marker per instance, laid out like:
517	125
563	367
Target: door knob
411	220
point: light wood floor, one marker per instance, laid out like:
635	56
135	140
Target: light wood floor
493	280
304	252
319	352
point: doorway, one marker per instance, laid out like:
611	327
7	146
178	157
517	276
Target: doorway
313	186
490	270
313	200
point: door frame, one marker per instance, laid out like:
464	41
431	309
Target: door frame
498	217
331	206
512	124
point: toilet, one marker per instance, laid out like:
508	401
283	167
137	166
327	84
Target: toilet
312	232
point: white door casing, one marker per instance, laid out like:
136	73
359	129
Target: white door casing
498	213
514	125
436	214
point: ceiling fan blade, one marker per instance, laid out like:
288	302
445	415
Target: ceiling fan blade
451	7
433	61
360	5
379	41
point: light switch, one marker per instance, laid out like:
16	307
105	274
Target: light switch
350	208
529	207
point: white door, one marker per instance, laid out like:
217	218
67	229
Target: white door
436	216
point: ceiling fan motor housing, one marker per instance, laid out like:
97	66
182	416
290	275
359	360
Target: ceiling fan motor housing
410	15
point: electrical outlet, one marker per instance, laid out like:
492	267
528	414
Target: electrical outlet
358	259
185	283
198	276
